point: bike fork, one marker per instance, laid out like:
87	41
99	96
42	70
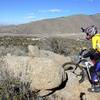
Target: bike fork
88	72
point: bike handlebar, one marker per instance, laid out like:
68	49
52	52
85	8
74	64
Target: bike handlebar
81	58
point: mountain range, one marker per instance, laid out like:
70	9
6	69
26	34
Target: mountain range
61	25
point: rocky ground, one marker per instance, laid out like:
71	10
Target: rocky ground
73	91
43	67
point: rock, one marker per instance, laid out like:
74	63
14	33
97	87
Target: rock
59	58
43	73
73	89
43	69
47	73
33	51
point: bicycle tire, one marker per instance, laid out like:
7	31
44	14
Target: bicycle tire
71	63
82	74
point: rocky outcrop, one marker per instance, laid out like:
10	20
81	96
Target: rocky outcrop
43	72
42	69
73	90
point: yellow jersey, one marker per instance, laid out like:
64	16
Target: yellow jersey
96	42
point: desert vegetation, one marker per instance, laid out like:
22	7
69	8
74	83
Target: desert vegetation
58	45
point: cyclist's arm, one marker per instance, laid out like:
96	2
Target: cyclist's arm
89	53
93	49
94	42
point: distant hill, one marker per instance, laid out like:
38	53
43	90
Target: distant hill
70	24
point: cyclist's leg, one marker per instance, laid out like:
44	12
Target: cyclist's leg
97	69
94	74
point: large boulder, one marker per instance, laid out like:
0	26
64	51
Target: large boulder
61	59
43	73
34	51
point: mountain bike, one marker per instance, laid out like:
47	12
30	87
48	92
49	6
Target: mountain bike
83	68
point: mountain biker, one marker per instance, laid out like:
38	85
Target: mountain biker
94	52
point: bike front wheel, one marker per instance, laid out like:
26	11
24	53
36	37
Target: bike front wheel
75	69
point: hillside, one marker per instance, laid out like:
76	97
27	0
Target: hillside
70	24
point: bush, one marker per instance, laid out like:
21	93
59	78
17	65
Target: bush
18	45
13	89
63	46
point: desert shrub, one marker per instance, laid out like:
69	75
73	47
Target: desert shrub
59	46
13	50
16	41
62	46
13	89
18	45
15	45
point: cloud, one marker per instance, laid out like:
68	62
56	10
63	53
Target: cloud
30	17
41	14
55	10
50	11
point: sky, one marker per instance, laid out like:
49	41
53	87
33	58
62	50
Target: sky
24	11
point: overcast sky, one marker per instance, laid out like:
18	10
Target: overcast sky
23	11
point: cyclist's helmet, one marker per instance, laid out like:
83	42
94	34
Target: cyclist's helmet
90	31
